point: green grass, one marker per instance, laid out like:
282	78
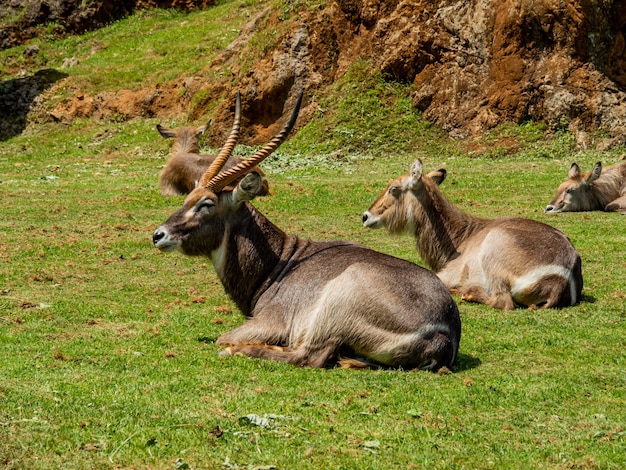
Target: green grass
107	345
149	47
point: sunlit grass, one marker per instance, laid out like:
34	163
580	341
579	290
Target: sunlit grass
152	46
108	346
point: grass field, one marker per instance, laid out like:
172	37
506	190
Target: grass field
107	345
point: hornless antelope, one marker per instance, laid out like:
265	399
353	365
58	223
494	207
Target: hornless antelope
596	190
187	165
186	139
309	302
499	262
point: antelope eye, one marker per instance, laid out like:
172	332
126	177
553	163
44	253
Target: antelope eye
569	190
206	203
394	191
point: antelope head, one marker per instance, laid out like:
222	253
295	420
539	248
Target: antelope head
394	207
201	224
186	139
576	193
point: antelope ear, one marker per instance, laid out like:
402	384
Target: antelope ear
202	129
166	132
595	173
416	174
248	188
438	176
574	171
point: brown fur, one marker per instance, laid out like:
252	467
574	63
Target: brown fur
311	303
187	165
500	262
602	189
186	139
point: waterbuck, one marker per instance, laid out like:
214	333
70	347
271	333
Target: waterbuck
596	190
310	303
187	165
500	262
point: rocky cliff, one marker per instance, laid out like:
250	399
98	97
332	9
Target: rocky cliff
472	64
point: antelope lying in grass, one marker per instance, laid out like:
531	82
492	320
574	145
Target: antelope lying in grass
500	262
309	302
187	165
596	190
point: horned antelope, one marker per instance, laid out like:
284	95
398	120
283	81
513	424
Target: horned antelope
499	262
187	165
601	189
309	302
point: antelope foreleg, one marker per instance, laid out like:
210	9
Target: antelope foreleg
502	300
255	332
300	357
618	205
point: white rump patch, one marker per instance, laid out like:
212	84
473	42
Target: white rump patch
386	351
537	274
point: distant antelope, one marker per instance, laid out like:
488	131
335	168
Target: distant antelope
596	190
309	302
499	262
187	165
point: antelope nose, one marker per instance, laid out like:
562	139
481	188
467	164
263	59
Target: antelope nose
365	217
549	208
157	236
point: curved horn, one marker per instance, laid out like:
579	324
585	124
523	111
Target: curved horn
226	150
223	179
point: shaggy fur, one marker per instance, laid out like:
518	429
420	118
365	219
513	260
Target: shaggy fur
500	262
601	189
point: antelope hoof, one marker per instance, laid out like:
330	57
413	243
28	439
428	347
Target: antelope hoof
226	352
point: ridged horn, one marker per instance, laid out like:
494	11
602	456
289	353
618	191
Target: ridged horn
227	149
223	179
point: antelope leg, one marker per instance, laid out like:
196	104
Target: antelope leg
319	357
253	331
501	300
617	205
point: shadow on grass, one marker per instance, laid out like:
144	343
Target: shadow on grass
17	97
463	361
466	362
207	339
588	299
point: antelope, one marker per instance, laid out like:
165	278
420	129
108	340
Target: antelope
499	262
310	303
187	165
596	190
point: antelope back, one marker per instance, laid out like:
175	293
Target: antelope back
183	172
